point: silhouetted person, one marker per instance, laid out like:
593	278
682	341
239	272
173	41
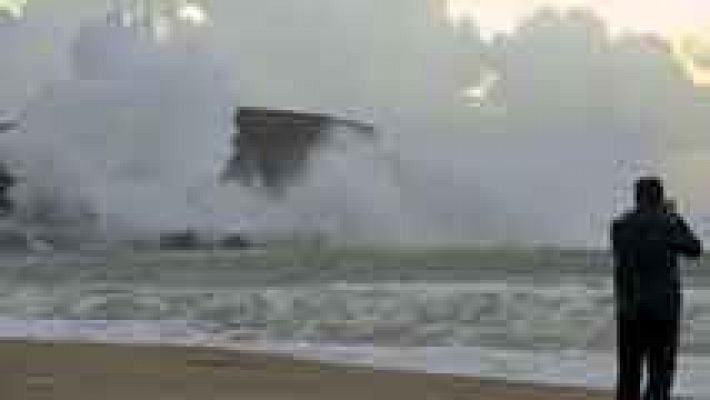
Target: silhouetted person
646	244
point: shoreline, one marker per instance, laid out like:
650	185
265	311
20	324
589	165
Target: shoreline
74	370
581	372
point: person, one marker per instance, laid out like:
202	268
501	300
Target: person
647	242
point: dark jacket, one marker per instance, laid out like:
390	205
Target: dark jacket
646	246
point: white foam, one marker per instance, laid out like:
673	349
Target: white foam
573	368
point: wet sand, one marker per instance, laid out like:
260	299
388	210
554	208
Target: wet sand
71	371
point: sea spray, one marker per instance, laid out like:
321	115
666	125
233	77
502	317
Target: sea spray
134	139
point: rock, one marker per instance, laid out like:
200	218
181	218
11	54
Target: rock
187	239
235	241
272	147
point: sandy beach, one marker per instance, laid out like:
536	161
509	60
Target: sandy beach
72	371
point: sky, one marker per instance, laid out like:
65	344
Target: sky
540	126
681	22
664	17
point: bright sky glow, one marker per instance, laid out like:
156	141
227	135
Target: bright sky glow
14	8
193	13
692	50
477	95
684	23
663	17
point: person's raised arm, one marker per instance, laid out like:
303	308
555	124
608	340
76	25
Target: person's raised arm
683	240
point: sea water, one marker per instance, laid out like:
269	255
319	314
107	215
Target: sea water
540	316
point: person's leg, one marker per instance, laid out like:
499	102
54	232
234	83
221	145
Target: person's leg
661	359
629	358
650	338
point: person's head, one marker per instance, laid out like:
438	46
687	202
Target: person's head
649	192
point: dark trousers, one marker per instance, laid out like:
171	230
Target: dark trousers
654	341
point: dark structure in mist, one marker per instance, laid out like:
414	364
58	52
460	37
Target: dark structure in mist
271	147
7	180
189	239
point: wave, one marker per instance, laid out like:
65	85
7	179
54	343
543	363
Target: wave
501	313
591	369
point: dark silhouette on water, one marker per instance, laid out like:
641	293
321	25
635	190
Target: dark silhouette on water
273	146
7	180
647	242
